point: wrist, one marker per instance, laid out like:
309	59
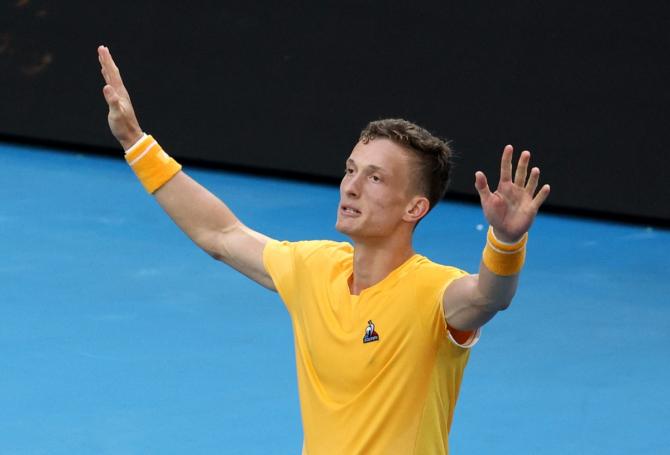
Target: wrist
134	145
132	140
506	239
151	164
504	258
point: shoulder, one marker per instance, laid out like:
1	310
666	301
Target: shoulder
431	272
309	250
430	279
295	267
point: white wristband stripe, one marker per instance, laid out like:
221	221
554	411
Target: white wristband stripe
506	243
142	155
497	250
132	147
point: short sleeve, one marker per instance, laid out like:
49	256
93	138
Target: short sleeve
279	262
297	268
458	338
461	339
471	339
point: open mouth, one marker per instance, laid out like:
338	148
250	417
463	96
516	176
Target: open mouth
350	210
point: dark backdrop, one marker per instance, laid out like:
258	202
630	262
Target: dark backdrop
288	85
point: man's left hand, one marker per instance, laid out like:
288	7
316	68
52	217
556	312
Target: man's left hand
512	208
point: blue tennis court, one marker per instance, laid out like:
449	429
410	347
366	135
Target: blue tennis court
118	336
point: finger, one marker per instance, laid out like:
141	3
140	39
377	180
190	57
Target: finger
541	196
113	73
522	169
101	59
105	76
111	96
102	66
531	186
482	186
506	164
104	63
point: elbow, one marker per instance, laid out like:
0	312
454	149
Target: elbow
494	303
213	245
496	299
217	252
216	255
503	305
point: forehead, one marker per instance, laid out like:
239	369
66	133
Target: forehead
381	153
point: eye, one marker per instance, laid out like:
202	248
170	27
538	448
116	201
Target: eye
348	170
375	178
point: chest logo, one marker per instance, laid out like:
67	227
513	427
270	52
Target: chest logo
370	334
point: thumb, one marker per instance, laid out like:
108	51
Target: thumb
111	96
482	186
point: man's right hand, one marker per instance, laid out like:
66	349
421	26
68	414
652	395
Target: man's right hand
202	216
121	117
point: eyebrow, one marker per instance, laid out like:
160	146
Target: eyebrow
370	167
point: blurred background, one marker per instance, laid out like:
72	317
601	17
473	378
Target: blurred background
287	86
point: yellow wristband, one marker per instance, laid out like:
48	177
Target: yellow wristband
151	164
504	258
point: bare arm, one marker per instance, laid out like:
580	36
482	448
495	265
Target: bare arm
471	301
202	216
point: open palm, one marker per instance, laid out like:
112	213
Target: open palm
512	208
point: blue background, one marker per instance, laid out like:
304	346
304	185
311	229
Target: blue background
118	336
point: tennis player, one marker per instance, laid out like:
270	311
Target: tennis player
382	334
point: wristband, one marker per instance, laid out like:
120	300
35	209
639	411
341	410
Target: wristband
504	258
152	166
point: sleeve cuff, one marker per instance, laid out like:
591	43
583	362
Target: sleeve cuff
470	342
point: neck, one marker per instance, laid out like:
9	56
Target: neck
374	260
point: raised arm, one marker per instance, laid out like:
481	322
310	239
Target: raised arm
473	300
202	216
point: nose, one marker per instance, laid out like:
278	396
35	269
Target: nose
350	185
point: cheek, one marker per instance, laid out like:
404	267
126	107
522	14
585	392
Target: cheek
387	201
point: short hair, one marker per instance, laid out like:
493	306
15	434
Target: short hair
433	155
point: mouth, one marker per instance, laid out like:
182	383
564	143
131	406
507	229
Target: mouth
349	211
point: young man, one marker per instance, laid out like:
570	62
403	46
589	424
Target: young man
381	333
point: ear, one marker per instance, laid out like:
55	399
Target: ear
416	209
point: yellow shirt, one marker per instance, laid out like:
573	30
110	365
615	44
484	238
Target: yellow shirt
378	373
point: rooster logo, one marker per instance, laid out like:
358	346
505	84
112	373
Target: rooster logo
370	334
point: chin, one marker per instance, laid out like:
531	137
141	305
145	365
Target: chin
345	228
342	228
